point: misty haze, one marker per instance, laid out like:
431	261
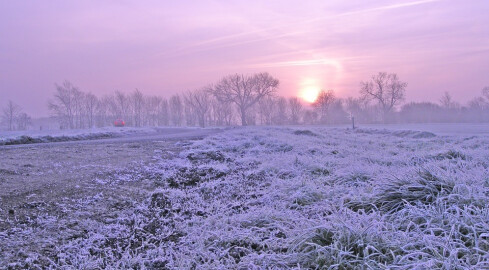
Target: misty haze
244	134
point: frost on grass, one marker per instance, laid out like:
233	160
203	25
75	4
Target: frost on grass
279	198
31	136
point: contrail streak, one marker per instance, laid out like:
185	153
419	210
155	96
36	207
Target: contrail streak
227	41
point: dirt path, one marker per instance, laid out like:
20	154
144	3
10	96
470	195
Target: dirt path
77	181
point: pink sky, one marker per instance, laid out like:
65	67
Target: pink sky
167	47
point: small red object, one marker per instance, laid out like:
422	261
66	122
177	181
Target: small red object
119	123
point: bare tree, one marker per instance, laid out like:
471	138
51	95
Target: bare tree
251	115
485	92
422	112
106	110
121	104
280	115
199	100
478	104
222	112
310	117
245	91
386	89
91	106
477	108
336	113
152	105
360	108
10	114
63	104
73	108
163	113
266	107
353	106
446	101
452	110
23	121
295	110
322	104
78	108
176	110
137	106
189	113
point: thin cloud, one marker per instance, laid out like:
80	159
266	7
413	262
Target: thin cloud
227	40
186	51
387	7
313	62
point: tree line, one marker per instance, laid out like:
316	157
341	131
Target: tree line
234	97
14	117
249	100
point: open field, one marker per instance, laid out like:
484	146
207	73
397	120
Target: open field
49	136
249	198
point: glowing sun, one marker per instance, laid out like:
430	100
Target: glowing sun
309	93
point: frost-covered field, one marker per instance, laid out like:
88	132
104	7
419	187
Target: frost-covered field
274	198
439	128
46	136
